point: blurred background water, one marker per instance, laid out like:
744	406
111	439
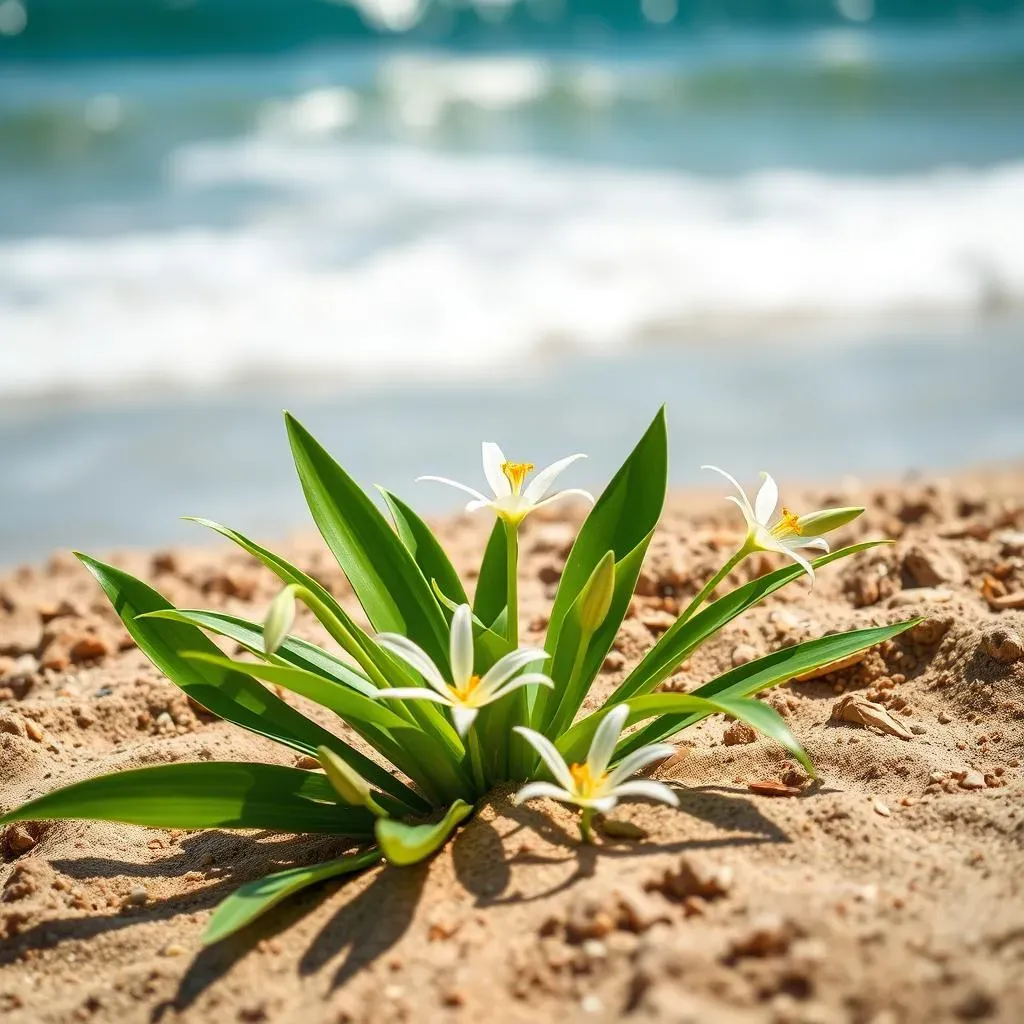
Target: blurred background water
422	224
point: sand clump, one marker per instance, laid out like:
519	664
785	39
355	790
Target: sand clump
889	890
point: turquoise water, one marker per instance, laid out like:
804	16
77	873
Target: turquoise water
529	229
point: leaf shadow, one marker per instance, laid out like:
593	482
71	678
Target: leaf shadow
368	925
485	870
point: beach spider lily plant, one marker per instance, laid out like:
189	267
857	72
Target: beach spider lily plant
440	699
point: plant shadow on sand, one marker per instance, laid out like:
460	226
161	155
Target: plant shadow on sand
484	866
375	919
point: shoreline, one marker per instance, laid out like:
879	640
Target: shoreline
889	891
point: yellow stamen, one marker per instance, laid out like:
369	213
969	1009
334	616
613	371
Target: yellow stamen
585	781
788	525
515	473
464	692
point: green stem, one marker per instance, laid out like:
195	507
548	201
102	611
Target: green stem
476	762
556	725
708	589
586	834
510	759
512	612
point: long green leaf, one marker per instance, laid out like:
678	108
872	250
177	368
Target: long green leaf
209	794
425	549
763	717
254	899
402	742
229	694
249	635
405	844
353	707
763	673
573	689
625	513
429	717
684	637
491	592
393	592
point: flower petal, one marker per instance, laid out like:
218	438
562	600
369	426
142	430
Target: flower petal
463	718
533	790
508	665
598	803
639	759
412	693
415	657
767	499
549	755
541	483
569	492
744	501
801	561
807	542
494	459
454	483
460	647
526	679
477	504
649	789
602	746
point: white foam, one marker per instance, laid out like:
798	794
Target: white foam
378	262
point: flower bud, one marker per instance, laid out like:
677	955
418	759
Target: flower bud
351	786
280	616
596	597
814	524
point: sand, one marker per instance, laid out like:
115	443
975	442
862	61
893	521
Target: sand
888	892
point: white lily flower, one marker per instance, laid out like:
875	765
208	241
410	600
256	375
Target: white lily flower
790	532
511	502
591	785
466	693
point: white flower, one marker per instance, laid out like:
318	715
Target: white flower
791	532
510	501
590	785
467	693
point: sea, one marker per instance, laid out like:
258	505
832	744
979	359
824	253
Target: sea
418	225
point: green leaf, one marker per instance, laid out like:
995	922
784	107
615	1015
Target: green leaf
684	637
231	695
253	899
408	844
370	652
249	635
210	794
353	707
573	687
763	673
402	742
492	583
622	518
393	592
425	549
622	521
763	717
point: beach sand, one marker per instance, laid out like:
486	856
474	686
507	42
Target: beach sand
888	892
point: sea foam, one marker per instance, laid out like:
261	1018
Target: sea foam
376	261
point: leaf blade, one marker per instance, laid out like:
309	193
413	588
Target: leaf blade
403	844
254	899
207	794
393	592
683	637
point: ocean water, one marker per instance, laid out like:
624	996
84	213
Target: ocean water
807	238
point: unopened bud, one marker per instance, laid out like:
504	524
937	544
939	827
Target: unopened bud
596	597
279	619
351	786
814	524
